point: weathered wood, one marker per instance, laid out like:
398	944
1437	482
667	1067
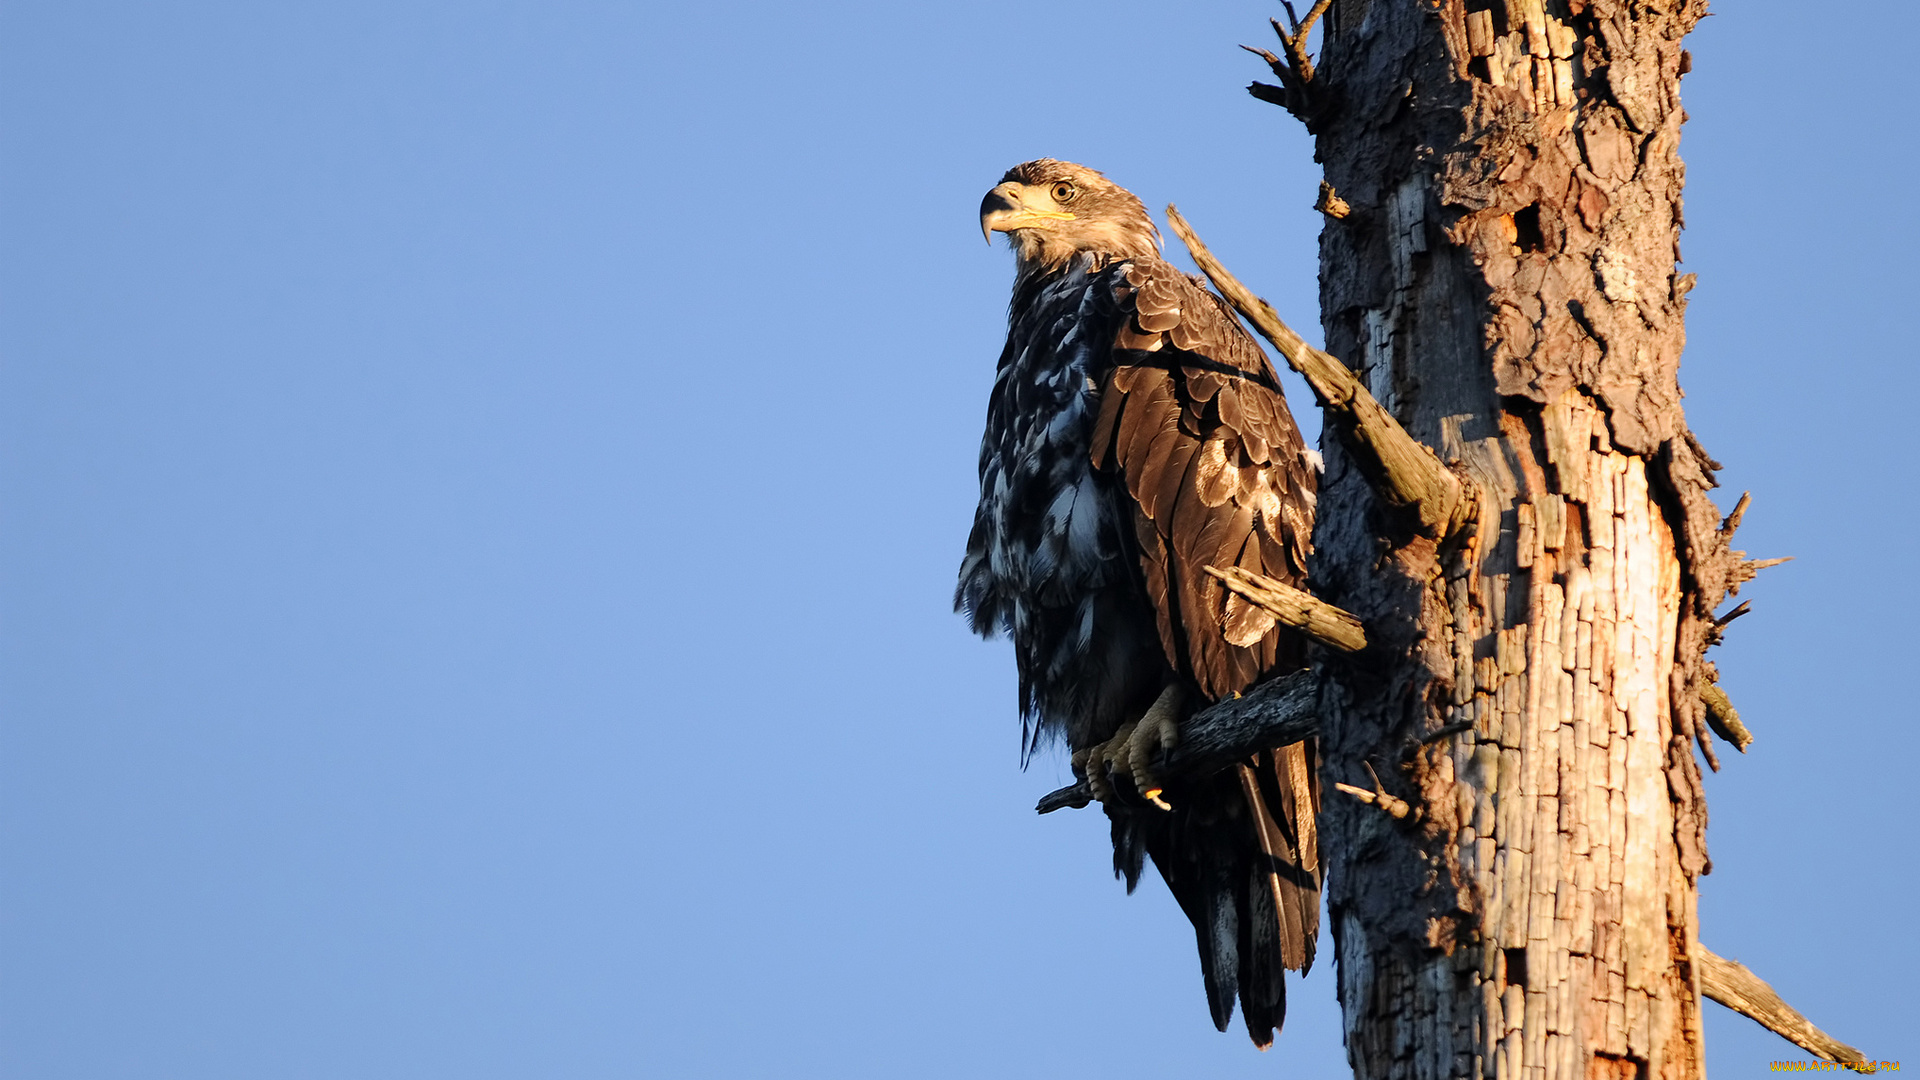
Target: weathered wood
1272	714
1395	807
1734	516
1296	608
1330	203
1295	68
1724	719
1405	473
1731	984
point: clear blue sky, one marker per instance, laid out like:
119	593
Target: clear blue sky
481	483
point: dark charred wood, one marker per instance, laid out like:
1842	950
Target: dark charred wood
1272	714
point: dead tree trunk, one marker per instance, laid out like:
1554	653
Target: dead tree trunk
1502	209
1517	563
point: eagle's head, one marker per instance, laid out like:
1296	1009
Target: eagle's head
1054	210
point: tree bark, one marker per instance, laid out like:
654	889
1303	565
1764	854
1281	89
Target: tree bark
1498	267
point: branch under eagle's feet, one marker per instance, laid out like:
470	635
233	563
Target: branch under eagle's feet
1131	751
1272	714
1399	468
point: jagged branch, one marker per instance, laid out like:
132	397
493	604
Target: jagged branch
1401	470
1731	522
1272	714
1297	608
1744	569
1731	984
1717	630
1297	90
1330	203
1295	41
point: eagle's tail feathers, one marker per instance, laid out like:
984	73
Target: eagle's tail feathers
1220	945
1263	989
1129	850
1244	870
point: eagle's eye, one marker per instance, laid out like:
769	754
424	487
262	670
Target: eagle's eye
1063	192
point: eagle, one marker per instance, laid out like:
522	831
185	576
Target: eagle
1135	436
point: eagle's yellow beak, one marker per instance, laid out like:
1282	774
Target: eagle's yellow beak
1006	208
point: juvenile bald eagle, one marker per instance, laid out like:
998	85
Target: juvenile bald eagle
1136	434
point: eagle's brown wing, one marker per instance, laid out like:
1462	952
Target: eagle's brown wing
1193	420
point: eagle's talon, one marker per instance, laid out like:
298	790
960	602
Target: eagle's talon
1158	731
1098	762
1130	752
1083	768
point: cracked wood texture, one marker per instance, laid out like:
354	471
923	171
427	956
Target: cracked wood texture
1504	283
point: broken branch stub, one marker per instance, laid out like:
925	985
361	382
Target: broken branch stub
1401	470
1275	713
1724	719
1297	90
1398	808
1731	984
1297	608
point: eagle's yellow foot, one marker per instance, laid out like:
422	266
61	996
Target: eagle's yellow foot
1131	751
1095	761
1158	730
